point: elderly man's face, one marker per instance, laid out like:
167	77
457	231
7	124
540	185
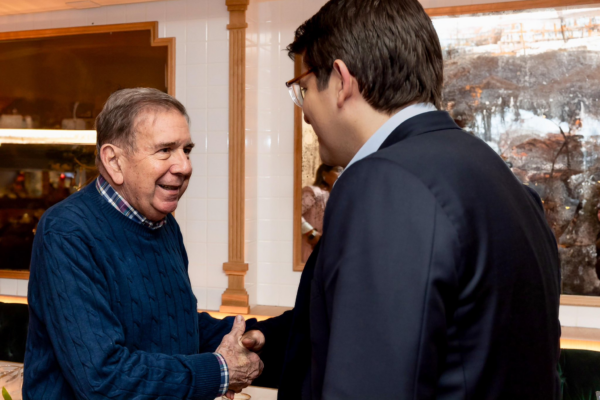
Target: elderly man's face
157	173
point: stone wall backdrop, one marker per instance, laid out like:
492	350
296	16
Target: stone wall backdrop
528	84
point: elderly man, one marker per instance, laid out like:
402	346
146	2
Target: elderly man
112	310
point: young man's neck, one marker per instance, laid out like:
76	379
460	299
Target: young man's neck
362	125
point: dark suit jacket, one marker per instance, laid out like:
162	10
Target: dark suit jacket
437	278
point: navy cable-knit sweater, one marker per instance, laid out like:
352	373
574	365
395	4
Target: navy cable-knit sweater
112	313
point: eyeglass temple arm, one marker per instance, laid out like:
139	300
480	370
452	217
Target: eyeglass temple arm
291	82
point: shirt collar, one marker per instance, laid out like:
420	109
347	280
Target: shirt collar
118	202
375	141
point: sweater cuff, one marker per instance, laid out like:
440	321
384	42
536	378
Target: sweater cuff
207	376
224	374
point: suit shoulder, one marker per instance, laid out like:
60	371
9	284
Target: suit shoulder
374	174
447	143
443	153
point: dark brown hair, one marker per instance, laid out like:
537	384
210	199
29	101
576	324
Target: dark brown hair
117	122
319	180
389	46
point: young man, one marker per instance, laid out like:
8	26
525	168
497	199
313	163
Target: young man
437	275
112	312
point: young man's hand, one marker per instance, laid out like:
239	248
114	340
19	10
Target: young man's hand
253	341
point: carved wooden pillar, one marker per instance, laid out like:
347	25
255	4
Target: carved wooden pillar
235	298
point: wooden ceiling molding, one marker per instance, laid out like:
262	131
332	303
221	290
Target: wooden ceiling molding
14	7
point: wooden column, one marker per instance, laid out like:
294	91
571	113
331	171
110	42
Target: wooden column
235	298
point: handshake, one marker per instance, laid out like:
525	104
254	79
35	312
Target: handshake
239	351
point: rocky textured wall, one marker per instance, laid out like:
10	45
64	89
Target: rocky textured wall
528	84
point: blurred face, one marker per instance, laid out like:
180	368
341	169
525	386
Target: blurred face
157	173
331	176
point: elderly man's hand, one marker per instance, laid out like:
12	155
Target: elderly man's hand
253	341
244	366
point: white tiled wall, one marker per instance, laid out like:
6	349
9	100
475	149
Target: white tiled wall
202	71
251	155
202	85
270	147
13	287
582	317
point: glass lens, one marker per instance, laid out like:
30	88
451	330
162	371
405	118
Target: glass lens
296	95
299	94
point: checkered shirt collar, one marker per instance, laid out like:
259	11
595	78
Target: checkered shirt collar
118	202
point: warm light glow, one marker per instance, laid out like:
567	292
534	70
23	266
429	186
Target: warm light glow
13	299
214	314
46	136
579	344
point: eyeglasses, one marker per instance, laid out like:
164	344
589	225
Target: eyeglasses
297	92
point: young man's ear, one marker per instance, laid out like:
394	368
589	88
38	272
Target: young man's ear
111	157
347	81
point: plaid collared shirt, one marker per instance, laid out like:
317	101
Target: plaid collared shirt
224	374
118	202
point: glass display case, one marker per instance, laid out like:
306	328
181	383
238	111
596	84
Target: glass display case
53	84
34	177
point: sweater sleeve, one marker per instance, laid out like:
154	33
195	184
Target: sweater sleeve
88	339
212	331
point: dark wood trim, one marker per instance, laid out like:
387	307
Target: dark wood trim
83	30
13	274
298	264
585	301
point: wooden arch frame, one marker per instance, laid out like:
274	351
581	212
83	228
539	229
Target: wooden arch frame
83	30
298	265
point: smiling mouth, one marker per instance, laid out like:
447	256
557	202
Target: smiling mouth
167	187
